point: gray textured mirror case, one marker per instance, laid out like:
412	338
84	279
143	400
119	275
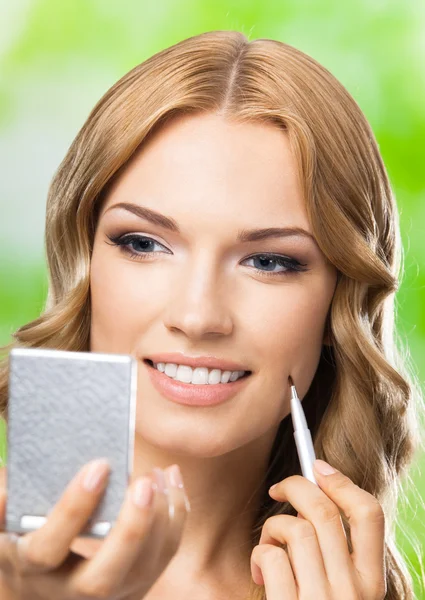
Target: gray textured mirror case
65	409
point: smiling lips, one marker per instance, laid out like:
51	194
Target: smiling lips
194	394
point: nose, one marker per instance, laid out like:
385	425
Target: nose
199	304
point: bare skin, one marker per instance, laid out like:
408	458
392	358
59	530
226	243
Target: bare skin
202	292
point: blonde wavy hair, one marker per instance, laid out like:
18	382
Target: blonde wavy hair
364	401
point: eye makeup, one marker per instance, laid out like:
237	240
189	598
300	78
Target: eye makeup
128	241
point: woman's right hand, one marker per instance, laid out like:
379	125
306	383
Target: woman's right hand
40	565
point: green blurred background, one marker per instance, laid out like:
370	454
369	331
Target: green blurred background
57	58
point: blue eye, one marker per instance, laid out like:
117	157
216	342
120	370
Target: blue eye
139	247
269	261
136	242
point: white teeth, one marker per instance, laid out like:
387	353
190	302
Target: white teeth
214	376
199	375
170	369
225	376
184	373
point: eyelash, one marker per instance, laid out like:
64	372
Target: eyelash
293	266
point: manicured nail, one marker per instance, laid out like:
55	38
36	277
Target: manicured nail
143	492
94	474
160	480
175	476
323	467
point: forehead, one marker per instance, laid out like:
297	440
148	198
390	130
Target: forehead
207	164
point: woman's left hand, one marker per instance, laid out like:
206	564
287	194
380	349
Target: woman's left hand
318	563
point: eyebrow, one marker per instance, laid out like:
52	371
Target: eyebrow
244	235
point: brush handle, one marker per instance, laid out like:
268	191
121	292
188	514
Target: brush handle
306	453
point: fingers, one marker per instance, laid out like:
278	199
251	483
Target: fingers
179	509
304	551
320	504
142	541
367	526
151	558
101	575
47	547
316	508
277	576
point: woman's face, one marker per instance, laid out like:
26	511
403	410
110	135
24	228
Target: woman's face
201	289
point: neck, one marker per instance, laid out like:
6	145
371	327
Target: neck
224	493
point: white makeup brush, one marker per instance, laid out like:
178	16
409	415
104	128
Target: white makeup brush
302	436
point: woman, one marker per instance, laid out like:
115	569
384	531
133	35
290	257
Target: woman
162	238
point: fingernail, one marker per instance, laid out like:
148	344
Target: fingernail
160	480
94	473
21	546
323	467
175	476
143	492
273	486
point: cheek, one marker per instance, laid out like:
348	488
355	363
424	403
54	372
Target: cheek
121	305
288	331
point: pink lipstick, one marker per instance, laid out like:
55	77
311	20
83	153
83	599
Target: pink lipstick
194	394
